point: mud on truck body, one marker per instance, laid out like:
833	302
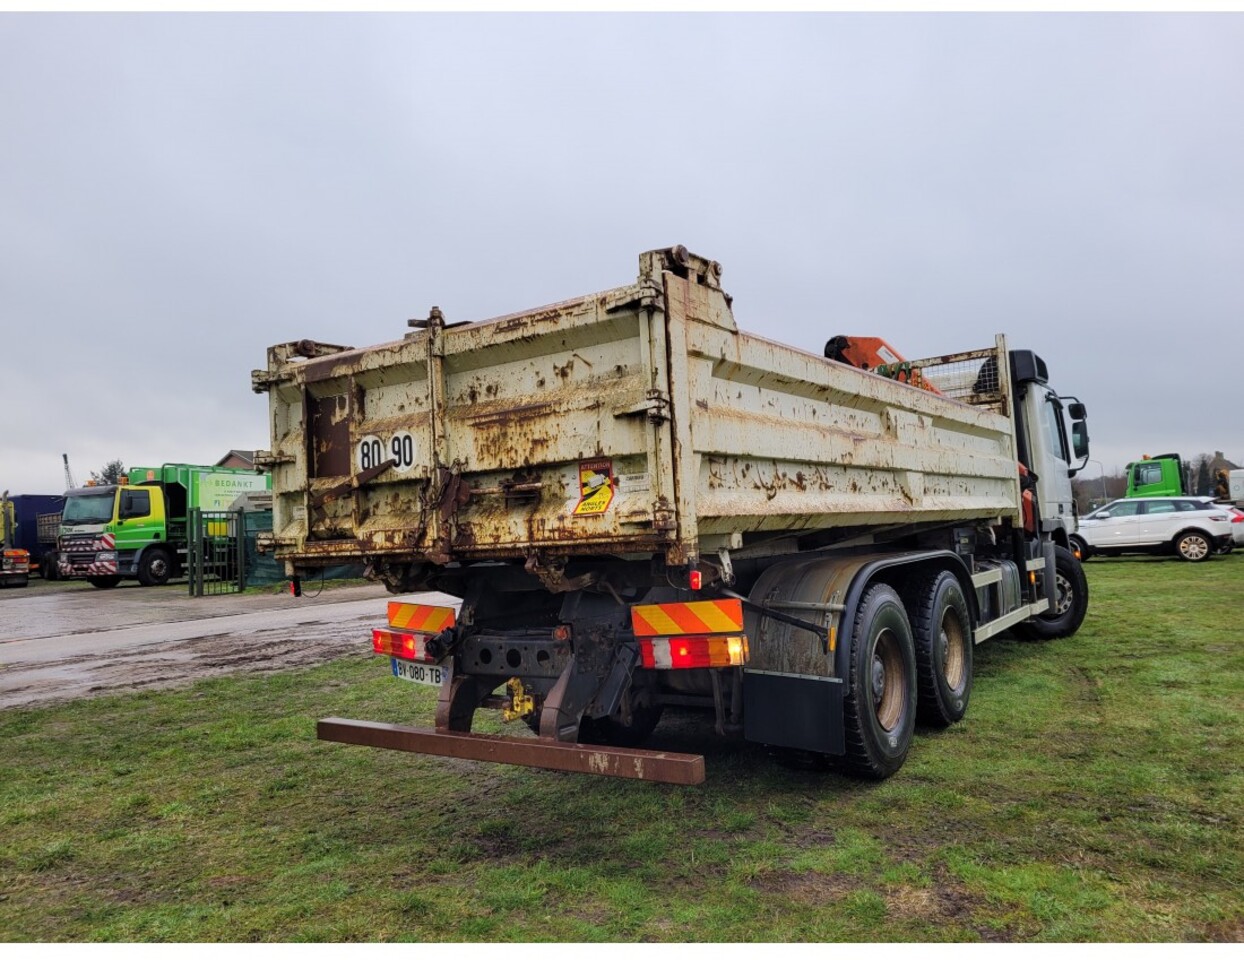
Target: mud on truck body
642	507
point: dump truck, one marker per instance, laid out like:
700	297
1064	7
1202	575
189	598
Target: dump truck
37	516
138	529
644	509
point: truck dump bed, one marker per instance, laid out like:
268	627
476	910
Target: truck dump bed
635	421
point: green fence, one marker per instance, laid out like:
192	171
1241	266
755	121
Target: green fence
215	559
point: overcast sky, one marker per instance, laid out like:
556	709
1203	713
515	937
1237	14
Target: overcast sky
179	192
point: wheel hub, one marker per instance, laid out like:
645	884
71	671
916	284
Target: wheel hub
1062	594
878	678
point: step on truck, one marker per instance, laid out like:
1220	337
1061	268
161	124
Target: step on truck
138	529
643	508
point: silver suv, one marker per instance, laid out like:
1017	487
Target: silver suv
1194	528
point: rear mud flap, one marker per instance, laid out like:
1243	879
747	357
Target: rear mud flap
797	712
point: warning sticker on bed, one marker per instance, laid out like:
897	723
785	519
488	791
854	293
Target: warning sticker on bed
595	486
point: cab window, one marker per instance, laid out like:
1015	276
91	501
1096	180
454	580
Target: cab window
135	503
1160	506
1123	508
1147	473
1051	427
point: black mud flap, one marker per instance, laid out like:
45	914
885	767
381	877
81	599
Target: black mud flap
800	713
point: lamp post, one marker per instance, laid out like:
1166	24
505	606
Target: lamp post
1102	471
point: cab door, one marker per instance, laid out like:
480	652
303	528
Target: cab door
140	517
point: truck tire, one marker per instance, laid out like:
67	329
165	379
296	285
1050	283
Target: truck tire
1193	546
104	583
47	565
154	567
1068	606
941	626
879	709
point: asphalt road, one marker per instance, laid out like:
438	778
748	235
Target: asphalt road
62	641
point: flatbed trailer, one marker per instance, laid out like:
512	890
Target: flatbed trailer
643	507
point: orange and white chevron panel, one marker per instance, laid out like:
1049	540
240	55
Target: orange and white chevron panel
420	617
697	617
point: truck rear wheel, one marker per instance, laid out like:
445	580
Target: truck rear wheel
1068	605
879	709
154	568
47	565
942	629
104	583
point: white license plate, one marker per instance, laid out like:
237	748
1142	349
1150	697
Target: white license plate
427	673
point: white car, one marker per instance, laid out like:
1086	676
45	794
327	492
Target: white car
1236	516
1194	528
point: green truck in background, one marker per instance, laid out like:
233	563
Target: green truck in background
1160	476
137	529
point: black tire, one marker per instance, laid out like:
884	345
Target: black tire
879	709
104	583
1193	546
155	567
47	565
1080	547
941	626
1068	605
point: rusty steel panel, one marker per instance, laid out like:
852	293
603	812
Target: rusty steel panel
635	421
330	436
655	766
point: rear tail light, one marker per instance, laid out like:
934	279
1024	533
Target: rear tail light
693	653
690	636
413	632
405	646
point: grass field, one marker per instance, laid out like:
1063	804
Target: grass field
1092	793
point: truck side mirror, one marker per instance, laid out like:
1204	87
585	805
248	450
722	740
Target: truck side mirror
1077	411
1080	439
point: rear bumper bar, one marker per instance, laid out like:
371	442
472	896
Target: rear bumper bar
652	765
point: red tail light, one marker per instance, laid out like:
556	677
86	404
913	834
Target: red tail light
692	653
397	643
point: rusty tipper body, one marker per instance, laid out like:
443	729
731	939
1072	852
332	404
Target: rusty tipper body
642	507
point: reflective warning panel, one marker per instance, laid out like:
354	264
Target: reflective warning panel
420	617
697	617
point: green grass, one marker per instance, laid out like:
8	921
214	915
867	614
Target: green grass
1092	794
